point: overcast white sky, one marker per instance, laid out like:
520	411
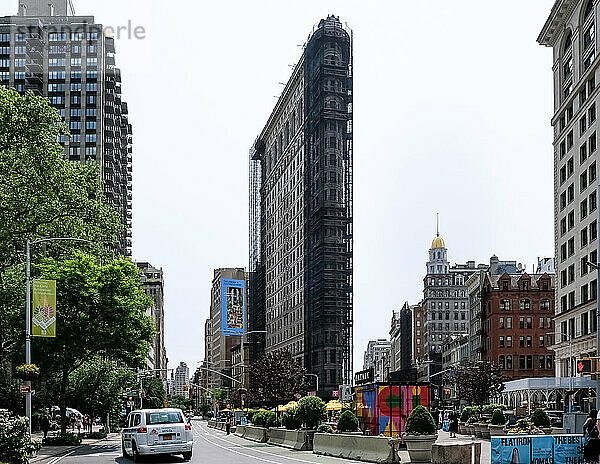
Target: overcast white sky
452	112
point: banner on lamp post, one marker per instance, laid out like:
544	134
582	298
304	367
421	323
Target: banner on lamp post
43	315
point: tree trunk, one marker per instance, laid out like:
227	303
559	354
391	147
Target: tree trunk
63	401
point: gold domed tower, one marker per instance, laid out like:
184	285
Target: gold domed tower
438	254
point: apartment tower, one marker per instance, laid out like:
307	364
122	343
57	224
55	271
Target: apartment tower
48	50
571	32
300	266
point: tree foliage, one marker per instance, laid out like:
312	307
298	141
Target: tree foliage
276	378
101	311
311	410
180	402
16	446
420	422
97	386
154	392
477	381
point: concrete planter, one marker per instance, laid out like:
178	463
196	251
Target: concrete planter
470	429
485	431
477	430
419	447
496	430
547	430
456	453
461	428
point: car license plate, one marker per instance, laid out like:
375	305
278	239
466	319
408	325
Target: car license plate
167	437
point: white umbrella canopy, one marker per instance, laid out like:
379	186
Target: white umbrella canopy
68	412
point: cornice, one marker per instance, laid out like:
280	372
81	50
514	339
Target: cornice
561	11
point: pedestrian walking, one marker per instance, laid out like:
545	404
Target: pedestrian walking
78	425
591	442
73	421
453	426
45	424
228	425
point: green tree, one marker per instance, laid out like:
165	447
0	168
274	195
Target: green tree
97	386
41	195
101	311
181	402
477	381
277	378
154	392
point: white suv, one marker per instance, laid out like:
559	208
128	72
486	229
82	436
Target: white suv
157	431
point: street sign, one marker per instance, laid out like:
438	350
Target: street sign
311	394
335	393
363	377
130	404
25	389
297	396
346	392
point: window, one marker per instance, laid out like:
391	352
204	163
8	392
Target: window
545	305
571	246
509	322
92	74
92	61
593	231
569	140
542	338
521	342
582	154
521	323
592	143
501	362
75	61
76	87
593	201
509	341
583	178
583	209
563	278
563	252
592	113
529	361
91	87
571	297
76	36
75	125
582	125
522	361
571	272
584	237
525	304
529	323
56	62
509	365
90	125
528	341
563	226
505	305
571	193
570	167
563	201
592	172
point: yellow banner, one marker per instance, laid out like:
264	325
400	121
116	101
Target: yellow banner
43	316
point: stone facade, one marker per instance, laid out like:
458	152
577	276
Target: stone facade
571	32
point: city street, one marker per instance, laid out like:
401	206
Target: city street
210	447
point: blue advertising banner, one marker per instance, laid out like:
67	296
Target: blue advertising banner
568	449
541	449
511	450
233	307
537	449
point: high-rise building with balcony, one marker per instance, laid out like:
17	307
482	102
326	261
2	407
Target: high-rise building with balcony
571	32
50	51
300	288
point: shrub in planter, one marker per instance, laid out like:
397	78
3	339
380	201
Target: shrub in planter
498	417
291	420
15	445
259	419
311	410
347	422
324	428
250	414
465	414
540	418
490	408
420	422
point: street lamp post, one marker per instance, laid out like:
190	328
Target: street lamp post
29	244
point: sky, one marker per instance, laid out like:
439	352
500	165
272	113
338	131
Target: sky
452	108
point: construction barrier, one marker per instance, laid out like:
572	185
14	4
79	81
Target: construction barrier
212	424
240	431
257	434
360	448
276	436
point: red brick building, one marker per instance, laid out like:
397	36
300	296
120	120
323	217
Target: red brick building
517	324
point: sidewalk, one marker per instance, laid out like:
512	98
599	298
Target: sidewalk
48	452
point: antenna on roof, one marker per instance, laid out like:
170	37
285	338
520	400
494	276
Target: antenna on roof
437	224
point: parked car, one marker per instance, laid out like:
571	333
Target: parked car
556	418
150	432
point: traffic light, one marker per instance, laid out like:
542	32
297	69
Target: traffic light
584	366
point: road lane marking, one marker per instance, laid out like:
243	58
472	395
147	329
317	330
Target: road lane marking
60	458
261	451
239	452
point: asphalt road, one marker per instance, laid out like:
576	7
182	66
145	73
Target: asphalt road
210	447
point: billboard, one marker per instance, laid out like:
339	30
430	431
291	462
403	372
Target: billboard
43	316
537	449
233	307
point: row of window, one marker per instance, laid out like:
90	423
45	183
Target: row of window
588	292
446	305
524	322
75	100
75	87
75	49
567	276
75	36
463	316
567	249
54	62
524	304
76	151
525	361
567	116
440	326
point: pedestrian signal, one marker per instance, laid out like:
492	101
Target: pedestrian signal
584	366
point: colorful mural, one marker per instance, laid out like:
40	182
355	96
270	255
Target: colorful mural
384	409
